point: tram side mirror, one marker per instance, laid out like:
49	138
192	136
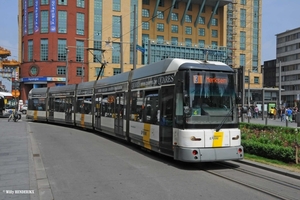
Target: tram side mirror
186	98
187	111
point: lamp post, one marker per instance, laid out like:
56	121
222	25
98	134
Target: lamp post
82	71
67	62
279	94
263	95
248	88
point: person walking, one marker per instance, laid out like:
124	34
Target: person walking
255	112
274	113
282	114
289	114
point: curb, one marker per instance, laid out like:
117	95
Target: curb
44	189
271	168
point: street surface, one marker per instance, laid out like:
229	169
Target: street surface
75	164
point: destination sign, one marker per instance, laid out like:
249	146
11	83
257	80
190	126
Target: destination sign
153	81
198	79
62	94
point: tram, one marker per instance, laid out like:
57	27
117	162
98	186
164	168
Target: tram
186	109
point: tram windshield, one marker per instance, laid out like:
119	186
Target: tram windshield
209	98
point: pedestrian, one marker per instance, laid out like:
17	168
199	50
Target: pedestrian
274	113
256	112
282	114
249	114
289	114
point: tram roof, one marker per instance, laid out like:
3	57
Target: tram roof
86	85
38	90
62	88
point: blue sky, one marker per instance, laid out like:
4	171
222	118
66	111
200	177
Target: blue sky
277	17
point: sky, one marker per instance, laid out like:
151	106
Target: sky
278	16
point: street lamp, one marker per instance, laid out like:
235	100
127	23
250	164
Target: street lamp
82	71
248	88
67	60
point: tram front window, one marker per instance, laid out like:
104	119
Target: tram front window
209	98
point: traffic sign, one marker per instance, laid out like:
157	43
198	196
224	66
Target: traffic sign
15	93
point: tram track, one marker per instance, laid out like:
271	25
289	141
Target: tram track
263	189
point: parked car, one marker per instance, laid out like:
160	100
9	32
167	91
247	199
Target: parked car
23	108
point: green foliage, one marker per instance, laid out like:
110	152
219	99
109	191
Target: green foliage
273	142
286	154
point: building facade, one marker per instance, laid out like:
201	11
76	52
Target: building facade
66	42
288	60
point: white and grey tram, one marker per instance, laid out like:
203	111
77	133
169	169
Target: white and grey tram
185	109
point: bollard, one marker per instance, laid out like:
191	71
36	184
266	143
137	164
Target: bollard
266	121
286	122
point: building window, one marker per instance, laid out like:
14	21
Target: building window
44	49
30	3
97	71
44	2
201	31
62	2
243	2
214	33
174	28
242	60
145	25
246	79
80	3
160	14
145	13
160	27
201	43
116	52
160	39
146	2
176	5
61	70
44	21
61	51
30	23
256	80
188	18
30	50
174	16
161	3
214	22
62	21
188	42
79	71
116	5
80	23
214	44
201	20
174	41
98	53
117	71
242	40
79	51
116	32
243	18
188	30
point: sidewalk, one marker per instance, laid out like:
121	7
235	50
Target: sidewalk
17	172
272	122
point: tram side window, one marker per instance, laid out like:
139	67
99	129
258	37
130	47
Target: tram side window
84	105
108	106
38	104
59	105
151	107
136	102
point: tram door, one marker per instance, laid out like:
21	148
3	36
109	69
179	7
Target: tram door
98	111
68	110
166	119
119	112
51	108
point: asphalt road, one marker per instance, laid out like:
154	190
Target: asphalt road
83	165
